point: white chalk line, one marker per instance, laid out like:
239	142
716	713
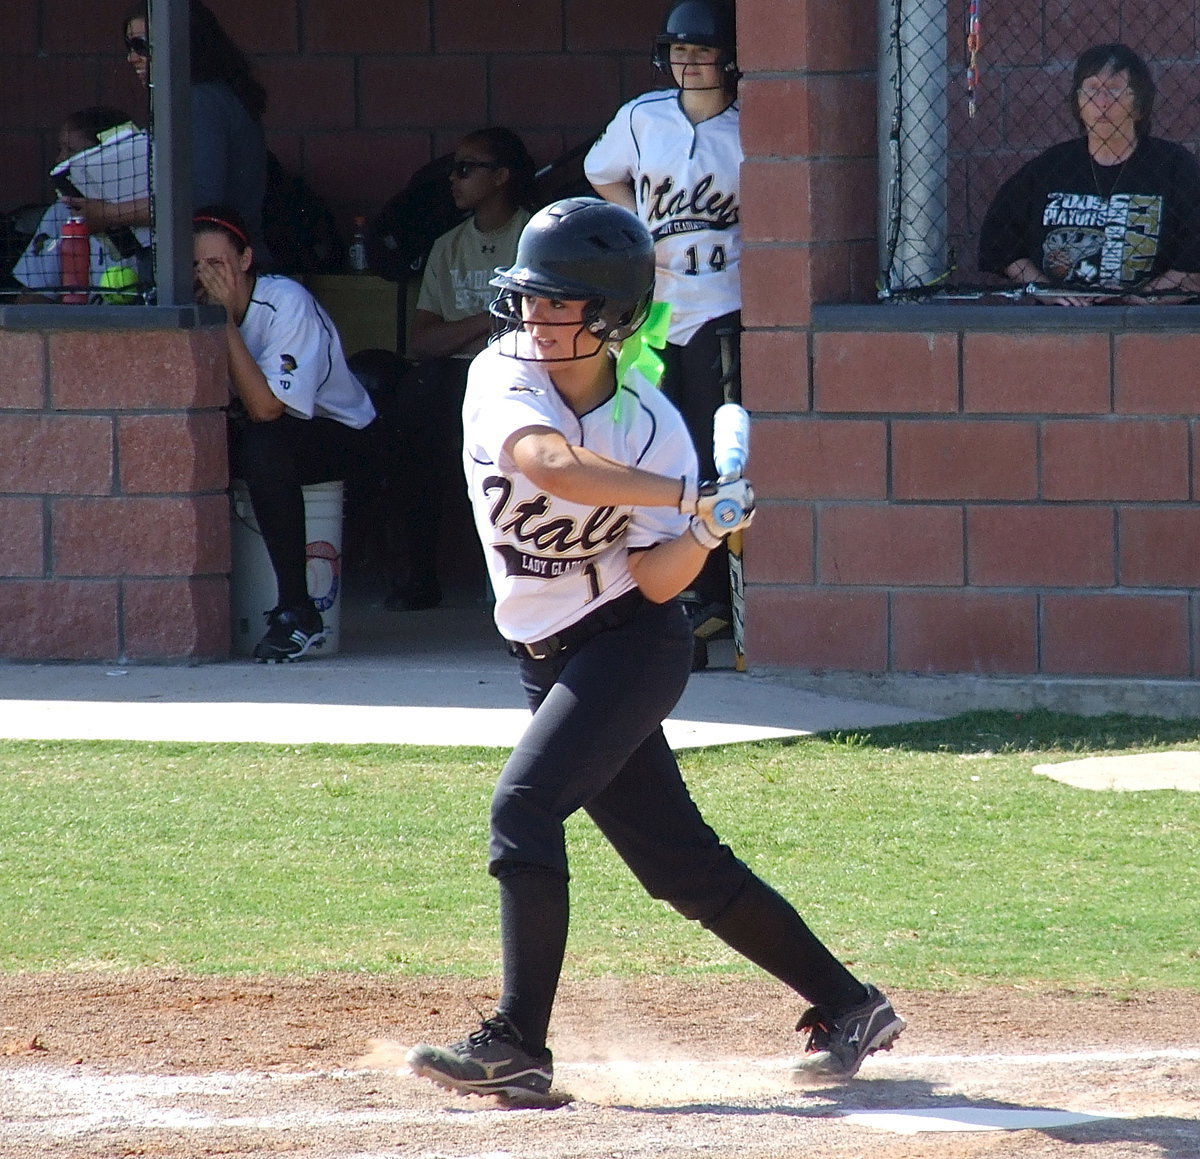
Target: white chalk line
61	1103
907	1060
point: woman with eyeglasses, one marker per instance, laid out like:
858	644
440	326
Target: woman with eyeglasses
229	151
491	179
1113	215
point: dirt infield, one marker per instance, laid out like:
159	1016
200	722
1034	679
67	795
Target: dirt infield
151	1064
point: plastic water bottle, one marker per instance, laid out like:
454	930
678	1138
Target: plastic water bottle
358	246
75	253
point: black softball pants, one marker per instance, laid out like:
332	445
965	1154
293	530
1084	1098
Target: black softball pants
596	743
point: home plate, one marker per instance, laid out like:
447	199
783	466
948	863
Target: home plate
1129	774
967	1119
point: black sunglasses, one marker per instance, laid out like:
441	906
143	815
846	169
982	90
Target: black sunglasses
137	44
466	168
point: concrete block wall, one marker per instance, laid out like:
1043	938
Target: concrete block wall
809	181
1017	503
112	495
1003	494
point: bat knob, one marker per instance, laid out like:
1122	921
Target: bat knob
727	513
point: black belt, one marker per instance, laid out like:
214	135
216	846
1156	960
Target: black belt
611	615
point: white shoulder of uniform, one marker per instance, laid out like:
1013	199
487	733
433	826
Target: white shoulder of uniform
277	291
656	422
493	375
654	108
630	126
504	395
656	97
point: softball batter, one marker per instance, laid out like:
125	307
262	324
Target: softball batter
587	505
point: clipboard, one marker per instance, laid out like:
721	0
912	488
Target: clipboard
118	169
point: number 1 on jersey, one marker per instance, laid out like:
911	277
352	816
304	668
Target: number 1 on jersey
593	579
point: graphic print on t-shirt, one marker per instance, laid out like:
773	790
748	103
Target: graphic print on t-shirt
473	291
1101	239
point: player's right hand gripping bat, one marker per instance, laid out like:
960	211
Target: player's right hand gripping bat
731	451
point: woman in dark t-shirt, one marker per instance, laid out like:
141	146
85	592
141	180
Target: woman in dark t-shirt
1115	209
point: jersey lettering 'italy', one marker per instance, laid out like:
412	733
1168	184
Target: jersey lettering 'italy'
686	182
551	561
1101	239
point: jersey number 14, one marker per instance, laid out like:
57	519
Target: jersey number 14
716	260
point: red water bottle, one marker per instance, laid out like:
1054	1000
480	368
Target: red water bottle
75	253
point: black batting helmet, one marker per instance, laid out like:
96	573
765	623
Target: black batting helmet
707	22
582	249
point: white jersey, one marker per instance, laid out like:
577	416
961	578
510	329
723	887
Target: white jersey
686	182
552	561
298	349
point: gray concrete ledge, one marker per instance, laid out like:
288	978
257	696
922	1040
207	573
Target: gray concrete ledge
99	317
943	696
1006	317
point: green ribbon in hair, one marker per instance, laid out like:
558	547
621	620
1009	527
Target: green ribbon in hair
638	351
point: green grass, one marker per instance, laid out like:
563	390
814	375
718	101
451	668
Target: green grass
927	855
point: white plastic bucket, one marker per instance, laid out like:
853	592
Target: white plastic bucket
252	583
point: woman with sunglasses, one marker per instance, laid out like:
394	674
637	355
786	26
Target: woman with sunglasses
229	151
491	179
1112	215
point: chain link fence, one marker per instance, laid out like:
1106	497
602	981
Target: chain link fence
983	128
103	156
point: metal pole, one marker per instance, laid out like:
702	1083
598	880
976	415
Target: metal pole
913	142
171	172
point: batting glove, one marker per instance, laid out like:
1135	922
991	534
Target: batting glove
725	506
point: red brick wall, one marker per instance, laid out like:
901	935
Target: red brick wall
994	503
936	498
112	495
359	95
808	128
956	498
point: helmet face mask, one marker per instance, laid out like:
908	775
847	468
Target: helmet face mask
708	23
513	329
581	249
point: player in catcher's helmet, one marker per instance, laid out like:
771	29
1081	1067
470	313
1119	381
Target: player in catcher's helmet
579	249
709	23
